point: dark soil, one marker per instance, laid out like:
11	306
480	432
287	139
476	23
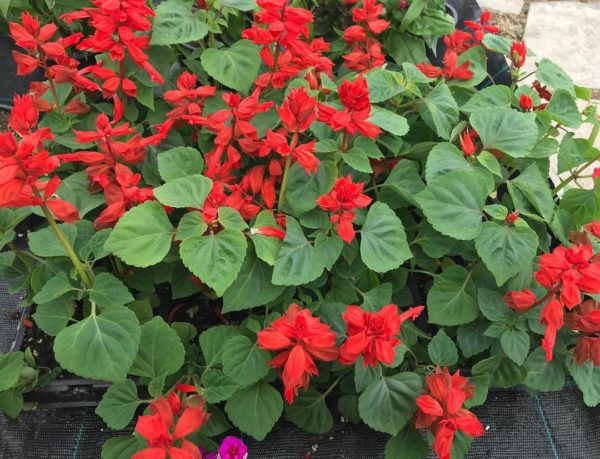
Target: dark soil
3	120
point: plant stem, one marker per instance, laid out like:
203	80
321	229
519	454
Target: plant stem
286	172
85	278
576	174
335	383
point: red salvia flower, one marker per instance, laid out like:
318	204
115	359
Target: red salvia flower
482	27
512	217
552	317
373	335
570	270
458	41
269	231
450	70
518	53
303	339
354	96
277	142
369	15
467	144
163	432
593	227
298	110
344	197
188	99
440	410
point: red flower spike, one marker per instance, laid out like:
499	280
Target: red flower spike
440	410
512	217
354	96
302	339
466	143
518	53
298	110
373	335
269	231
340	201
552	318
482	27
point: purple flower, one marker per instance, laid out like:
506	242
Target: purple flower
232	448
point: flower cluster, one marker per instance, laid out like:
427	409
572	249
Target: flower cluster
303	339
565	273
441	410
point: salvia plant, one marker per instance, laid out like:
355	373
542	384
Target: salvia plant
240	212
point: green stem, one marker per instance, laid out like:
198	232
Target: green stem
286	173
85	278
335	383
576	174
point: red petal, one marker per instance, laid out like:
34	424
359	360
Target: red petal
190	421
429	405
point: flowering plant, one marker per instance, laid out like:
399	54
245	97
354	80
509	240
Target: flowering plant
272	197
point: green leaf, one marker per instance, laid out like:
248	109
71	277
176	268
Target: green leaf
231	219
550	74
389	121
507	130
160	351
191	224
501	371
53	316
407	444
75	189
242	5
388	404
364	375
266	247
100	346
384	84
534	187
432	22
236	67
11	365
492	306
442	350
142	237
489	161
109	291
490	97
452	298
404	48
404	180
310	412
11	402
454	203
213	340
515	345
383	244
179	162
255	409
190	191
443	158
583	205
123	447
506	250
56	287
358	160
304	189
471	339
217	385
587	378
329	247
243	361
119	404
440	111
563	109
298	262
4	6
252	287
377	297
225	249
176	22
542	375
44	242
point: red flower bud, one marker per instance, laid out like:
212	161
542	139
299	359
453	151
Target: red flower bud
518	53
512	217
525	102
520	301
